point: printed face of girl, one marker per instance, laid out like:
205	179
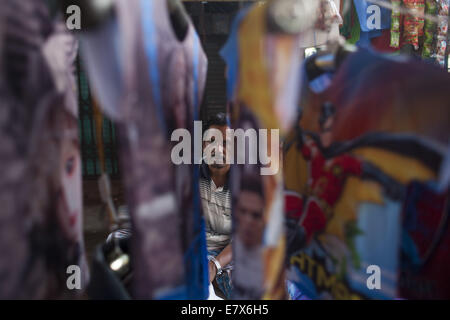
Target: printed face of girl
249	217
70	203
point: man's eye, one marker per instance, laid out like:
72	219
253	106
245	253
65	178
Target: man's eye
256	215
70	165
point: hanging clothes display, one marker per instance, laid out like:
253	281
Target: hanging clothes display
413	26
395	23
409	23
379	35
264	98
407	28
429	29
156	81
372	20
442	31
360	171
318	37
41	239
258	242
419	29
372	16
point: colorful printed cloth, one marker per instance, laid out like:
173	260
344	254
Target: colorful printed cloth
265	99
371	16
395	23
41	238
413	26
442	30
349	169
429	29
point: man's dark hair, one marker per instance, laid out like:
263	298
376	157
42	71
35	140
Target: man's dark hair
252	183
218	119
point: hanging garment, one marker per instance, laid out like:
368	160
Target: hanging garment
382	43
396	24
349	16
442	31
156	73
372	19
41	239
378	40
429	29
413	26
421	33
425	243
360	146
265	98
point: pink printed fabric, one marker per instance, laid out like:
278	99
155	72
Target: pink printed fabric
159	194
40	176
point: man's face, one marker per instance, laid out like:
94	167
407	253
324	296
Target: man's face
217	168
250	222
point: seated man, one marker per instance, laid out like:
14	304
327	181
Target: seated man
216	202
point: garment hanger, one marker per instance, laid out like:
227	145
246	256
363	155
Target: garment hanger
178	18
291	16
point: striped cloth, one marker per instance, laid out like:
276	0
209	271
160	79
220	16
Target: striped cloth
216	203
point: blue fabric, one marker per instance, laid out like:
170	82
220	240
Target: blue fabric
178	293
294	292
151	51
321	83
223	281
230	52
196	264
361	9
